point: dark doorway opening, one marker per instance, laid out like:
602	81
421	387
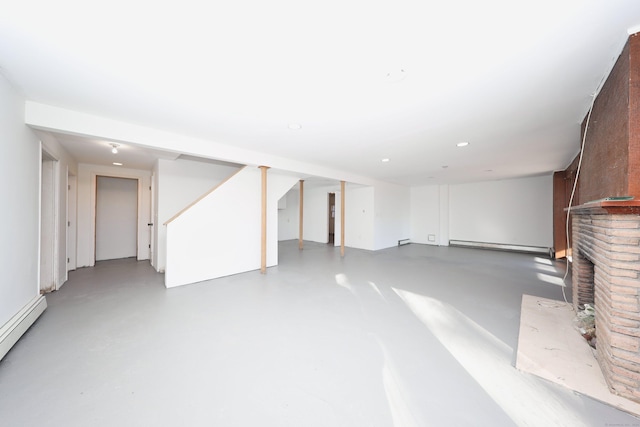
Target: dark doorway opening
332	218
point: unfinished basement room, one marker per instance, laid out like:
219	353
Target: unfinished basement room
345	214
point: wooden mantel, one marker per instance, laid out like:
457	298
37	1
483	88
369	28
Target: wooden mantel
608	207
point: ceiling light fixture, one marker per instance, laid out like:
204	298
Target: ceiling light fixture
385	160
117	164
462	144
114	150
396	76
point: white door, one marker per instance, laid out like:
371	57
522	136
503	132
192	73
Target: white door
116	218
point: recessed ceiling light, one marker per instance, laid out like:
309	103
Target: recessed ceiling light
114	148
385	160
462	144
295	126
117	164
396	76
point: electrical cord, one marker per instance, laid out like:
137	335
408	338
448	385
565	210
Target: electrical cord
573	192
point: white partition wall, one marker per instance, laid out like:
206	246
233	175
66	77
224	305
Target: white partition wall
316	213
220	234
514	212
425	215
289	215
178	184
20	301
359	218
392	215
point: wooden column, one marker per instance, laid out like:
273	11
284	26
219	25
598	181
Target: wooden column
301	228
263	242
341	218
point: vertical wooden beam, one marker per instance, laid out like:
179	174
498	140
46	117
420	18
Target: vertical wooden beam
263	242
301	227
560	202
341	218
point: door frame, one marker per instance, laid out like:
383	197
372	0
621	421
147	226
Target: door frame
142	237
331	237
72	219
48	254
95	210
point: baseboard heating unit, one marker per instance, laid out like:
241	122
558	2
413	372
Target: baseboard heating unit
504	247
404	242
11	331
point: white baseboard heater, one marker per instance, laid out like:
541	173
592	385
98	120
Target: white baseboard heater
504	247
11	331
403	242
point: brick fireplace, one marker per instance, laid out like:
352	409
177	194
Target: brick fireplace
605	230
606	273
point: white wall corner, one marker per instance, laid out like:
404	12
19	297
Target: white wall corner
443	216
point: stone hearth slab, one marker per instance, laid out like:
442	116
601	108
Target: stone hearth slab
549	347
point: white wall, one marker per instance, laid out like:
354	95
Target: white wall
425	214
277	186
289	217
359	217
392	204
375	217
516	211
180	183
220	235
19	173
429	215
443	239
316	213
87	208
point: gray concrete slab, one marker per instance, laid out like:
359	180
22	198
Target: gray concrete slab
410	336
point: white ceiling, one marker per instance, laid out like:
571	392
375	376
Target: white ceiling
514	79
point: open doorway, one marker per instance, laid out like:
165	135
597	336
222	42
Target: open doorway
116	218
72	215
48	221
332	218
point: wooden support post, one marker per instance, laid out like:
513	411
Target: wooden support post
263	243
341	218
301	227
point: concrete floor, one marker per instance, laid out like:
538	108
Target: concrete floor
409	336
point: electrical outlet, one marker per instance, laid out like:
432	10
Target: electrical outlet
432	237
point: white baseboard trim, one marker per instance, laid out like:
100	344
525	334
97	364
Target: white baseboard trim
11	331
504	247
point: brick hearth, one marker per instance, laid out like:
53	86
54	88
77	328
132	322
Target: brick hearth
606	273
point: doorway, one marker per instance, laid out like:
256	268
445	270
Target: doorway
72	203
48	220
116	218
332	218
